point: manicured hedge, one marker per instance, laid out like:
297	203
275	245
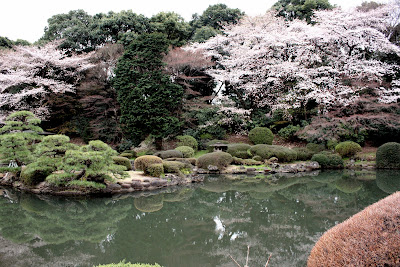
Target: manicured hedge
169	154
187	140
328	160
155	170
283	154
388	156
142	162
123	161
219	159
303	153
239	150
186	151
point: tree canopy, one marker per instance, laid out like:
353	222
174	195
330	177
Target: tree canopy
300	9
150	102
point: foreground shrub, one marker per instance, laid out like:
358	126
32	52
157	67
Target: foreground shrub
283	154
60	179
86	184
219	159
187	140
261	135
303	153
119	160
142	162
348	148
186	151
388	156
176	167
128	264
315	147
328	160
369	238
154	170
239	150
169	154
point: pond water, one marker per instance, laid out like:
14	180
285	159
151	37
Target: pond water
193	226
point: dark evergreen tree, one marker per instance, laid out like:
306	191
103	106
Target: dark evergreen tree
150	102
300	9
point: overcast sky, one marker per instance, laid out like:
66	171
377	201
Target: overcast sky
26	19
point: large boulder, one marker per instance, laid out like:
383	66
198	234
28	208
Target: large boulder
369	238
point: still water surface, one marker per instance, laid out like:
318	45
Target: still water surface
182	227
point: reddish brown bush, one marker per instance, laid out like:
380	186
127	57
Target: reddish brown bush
369	238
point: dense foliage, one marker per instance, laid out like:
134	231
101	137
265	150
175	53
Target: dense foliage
328	160
218	159
388	156
300	9
261	135
348	148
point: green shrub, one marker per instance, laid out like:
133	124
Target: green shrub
191	161
142	162
261	135
289	132
303	153
187	140
169	154
126	155
283	154
348	148
239	150
251	162
35	173
154	170
388	156
257	158
331	144
328	160
187	151
209	144
237	161
123	161
86	184
219	159
174	166
59	179
315	147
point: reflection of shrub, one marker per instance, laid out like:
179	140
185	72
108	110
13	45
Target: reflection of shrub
328	160
155	169
388	156
347	148
315	147
119	160
303	153
149	204
187	140
239	150
348	185
219	159
169	154
181	195
283	154
261	135
388	181
186	151
142	162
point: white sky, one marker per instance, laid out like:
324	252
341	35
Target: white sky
26	19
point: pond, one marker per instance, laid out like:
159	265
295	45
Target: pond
193	226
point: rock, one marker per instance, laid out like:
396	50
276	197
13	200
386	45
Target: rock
200	171
113	187
212	168
158	183
137	185
251	170
126	185
146	184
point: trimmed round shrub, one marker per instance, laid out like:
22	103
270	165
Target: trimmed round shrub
328	160
239	150
388	156
149	204
142	162
154	170
174	166
187	151
303	153
289	132
348	148
187	140
315	147
210	144
261	135
219	159
169	154
127	155
123	161
191	161
283	154
35	173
